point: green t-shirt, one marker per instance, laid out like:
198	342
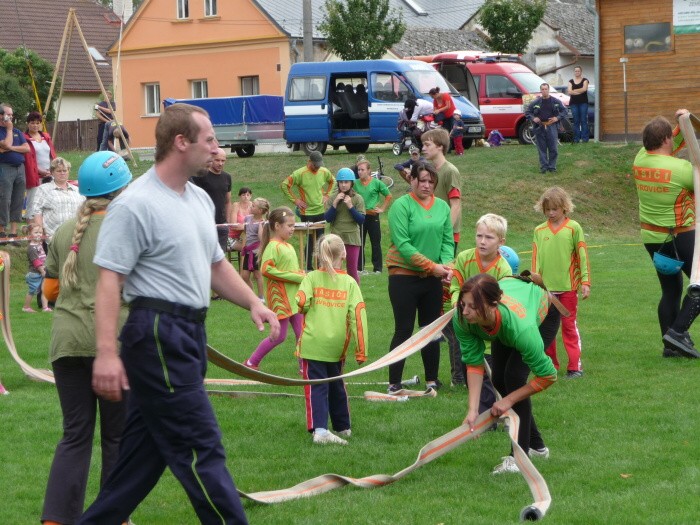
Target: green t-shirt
344	224
73	330
371	191
468	264
279	266
521	310
310	186
449	178
335	320
665	192
560	255
420	235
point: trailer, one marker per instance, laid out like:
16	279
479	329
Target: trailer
241	123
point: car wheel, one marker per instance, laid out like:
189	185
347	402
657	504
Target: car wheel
525	133
310	147
245	151
467	143
397	148
356	148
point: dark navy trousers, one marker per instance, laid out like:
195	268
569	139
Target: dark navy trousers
325	399
170	423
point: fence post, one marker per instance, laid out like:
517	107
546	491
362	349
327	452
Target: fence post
80	135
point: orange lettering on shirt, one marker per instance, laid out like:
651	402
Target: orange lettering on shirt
333	295
652	174
513	306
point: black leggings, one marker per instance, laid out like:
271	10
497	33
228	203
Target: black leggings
410	294
673	314
510	373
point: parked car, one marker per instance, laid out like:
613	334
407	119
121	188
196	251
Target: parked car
357	103
502	81
591	106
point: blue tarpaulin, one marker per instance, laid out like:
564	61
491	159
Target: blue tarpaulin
231	111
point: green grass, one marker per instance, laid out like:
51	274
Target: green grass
623	438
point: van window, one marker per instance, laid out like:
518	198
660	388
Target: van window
307	88
386	86
497	86
424	80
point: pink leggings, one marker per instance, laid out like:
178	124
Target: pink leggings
352	254
267	344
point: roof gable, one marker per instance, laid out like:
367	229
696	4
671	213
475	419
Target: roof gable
42	23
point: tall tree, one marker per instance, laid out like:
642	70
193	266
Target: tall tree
16	82
510	23
361	29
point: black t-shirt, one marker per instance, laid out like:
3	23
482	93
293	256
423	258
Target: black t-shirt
546	109
216	186
581	98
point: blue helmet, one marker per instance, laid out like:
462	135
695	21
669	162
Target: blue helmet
102	173
511	258
345	174
666	265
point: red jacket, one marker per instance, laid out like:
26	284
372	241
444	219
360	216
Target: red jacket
31	169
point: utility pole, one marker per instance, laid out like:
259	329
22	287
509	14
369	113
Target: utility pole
308	32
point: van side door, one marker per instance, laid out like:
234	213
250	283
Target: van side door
387	93
307	112
502	105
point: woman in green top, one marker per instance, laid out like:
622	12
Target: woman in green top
69	264
517	318
421	247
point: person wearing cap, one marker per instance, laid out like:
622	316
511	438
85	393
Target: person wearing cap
376	196
71	278
312	185
404	168
457	133
667	219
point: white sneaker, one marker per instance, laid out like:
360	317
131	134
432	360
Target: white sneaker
539	453
323	437
345	433
508	466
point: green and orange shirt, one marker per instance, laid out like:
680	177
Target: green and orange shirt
665	192
521	310
421	234
335	320
468	264
310	186
280	268
560	255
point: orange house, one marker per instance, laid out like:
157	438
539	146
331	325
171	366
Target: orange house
194	49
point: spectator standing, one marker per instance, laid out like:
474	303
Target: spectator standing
104	111
56	201
159	227
545	112
578	104
217	184
37	163
13	147
376	197
313	184
404	168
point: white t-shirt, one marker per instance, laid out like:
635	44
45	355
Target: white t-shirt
43	154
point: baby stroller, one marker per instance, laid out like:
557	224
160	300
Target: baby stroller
409	135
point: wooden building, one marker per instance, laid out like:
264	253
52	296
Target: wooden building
660	48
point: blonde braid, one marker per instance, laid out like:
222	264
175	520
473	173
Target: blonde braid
70	267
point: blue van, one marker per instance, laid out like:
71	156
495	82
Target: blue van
357	103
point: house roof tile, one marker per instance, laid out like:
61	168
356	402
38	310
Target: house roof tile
576	24
41	24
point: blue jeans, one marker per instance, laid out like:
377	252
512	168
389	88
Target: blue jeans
12	186
547	140
580	113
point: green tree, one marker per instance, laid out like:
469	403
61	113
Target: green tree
510	23
361	29
16	83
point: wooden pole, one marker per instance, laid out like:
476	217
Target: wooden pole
58	63
71	16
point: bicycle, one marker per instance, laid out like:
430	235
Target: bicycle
379	174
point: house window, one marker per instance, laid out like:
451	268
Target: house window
250	85
210	8
183	8
648	38
152	96
200	89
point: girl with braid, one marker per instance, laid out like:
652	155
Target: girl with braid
69	267
280	268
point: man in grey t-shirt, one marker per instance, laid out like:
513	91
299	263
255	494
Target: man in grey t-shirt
158	241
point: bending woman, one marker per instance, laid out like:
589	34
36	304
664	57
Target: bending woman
517	318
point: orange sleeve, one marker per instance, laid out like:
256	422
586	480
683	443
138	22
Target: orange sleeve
50	289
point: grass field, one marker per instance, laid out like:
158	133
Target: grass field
623	438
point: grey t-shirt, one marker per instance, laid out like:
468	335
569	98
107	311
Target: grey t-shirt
163	242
